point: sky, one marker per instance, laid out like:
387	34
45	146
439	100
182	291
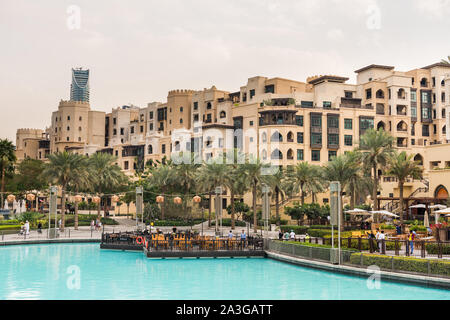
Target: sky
139	50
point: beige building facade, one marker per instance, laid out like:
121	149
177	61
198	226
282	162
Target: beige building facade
280	120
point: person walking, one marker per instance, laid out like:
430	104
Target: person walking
292	235
411	240
92	225
39	227
377	237
27	227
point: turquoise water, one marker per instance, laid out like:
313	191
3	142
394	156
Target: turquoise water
49	272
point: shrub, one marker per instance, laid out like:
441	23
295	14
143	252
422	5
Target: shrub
432	248
10	227
437	267
296	229
227	223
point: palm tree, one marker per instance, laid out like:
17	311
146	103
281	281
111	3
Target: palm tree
446	61
213	174
106	176
162	176
62	169
376	147
342	168
7	159
403	166
185	176
82	181
306	178
277	183
254	171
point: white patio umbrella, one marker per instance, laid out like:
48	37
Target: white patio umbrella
436	215
22	207
384	213
16	205
358	211
438	212
420	205
6	205
426	220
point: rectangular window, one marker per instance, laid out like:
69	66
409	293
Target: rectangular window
425	97
425	130
333	139
121	131
196	117
413	96
348	124
307	104
299	121
333	122
316	138
348	140
368	93
269	89
299	154
316	121
331	154
125	165
131	129
252	93
195	105
299	137
315	155
163	148
327	104
142	129
151	126
151	115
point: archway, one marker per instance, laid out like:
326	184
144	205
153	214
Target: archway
381	125
419	159
441	192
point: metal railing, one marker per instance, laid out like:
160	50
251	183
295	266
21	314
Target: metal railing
395	247
185	243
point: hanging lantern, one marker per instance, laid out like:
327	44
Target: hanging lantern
78	198
96	199
177	200
11	198
197	199
114	198
159	199
31	197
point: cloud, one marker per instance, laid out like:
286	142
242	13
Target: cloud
433	8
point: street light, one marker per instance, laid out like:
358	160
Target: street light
335	218
198	200
266	209
218	192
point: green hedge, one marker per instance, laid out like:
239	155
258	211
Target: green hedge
227	223
177	223
10	227
307	244
432	248
296	229
437	267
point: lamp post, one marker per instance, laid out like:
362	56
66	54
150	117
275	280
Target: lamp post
335	218
160	200
139	205
198	200
52	209
218	208
266	209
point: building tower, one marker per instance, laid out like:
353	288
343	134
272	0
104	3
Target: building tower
79	89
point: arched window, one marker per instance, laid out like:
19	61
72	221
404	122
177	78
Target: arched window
177	145
380	94
441	192
381	125
208	105
149	149
444	129
276	137
419	159
264	154
264	137
402	126
401	93
276	155
290	154
290	137
223	114
424	82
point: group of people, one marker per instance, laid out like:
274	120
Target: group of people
287	235
96	225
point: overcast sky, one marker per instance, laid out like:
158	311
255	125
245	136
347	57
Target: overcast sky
139	50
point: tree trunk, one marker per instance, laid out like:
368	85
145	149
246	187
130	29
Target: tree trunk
303	194
128	209
163	207
375	188
216	215
255	216
400	187
209	210
63	207
105	206
233	225
98	209
76	216
3	187
277	206
353	198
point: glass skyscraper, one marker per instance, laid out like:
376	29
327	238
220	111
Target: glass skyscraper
79	89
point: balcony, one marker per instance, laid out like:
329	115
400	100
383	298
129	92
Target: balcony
350	103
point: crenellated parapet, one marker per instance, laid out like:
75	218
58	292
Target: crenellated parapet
180	92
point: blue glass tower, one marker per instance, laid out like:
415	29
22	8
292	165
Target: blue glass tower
79	89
